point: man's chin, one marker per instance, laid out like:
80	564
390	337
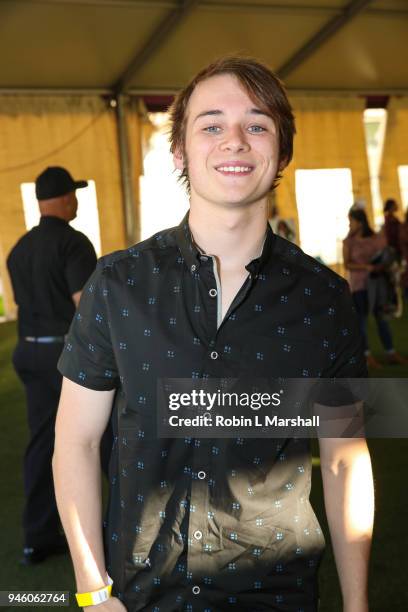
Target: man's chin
243	200
230	199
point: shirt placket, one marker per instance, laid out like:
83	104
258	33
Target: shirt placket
203	480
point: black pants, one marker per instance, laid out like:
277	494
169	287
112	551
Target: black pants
36	365
360	299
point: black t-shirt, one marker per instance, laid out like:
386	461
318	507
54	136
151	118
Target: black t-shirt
203	524
47	265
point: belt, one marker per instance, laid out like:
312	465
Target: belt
44	339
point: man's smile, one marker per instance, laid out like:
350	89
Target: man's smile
235	168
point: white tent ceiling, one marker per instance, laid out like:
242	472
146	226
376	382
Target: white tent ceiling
156	46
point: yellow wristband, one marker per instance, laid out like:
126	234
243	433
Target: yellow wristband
94	597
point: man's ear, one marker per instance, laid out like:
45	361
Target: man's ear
178	160
66	198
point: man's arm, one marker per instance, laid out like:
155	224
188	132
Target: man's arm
76	297
349	265
349	500
80	263
81	420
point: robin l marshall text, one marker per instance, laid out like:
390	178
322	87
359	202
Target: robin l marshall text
207	420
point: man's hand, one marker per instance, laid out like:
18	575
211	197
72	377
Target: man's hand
112	605
76	297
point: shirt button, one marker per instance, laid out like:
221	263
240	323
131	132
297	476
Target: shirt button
198	534
212	292
196	589
193	268
201	474
214	355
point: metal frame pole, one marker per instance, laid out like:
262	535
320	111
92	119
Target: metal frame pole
132	227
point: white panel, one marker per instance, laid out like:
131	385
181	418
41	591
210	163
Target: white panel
403	181
164	200
324	198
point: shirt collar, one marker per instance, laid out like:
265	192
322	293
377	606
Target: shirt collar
50	220
192	255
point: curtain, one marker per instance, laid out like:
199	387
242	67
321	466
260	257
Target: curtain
395	151
330	134
79	133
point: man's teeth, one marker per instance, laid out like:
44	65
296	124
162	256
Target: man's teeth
234	168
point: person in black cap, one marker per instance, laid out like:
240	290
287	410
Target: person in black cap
48	267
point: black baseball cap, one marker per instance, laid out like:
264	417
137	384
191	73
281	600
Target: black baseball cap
54	182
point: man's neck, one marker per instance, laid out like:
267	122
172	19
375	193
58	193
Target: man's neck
234	236
52	218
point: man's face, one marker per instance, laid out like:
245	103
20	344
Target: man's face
231	146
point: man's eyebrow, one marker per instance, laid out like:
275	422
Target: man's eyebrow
258	111
209	112
215	112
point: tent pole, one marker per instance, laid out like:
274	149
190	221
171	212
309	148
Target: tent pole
155	40
129	208
325	33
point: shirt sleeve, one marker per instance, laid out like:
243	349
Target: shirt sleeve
88	358
80	262
347	355
347	358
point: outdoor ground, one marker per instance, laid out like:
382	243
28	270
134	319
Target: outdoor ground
388	578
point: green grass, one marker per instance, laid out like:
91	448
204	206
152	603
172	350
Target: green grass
390	461
1	306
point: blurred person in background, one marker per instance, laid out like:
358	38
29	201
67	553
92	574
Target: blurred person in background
392	226
403	244
283	227
48	267
361	248
284	230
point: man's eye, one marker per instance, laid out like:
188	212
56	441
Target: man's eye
213	129
257	129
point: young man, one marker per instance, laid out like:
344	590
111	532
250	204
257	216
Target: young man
201	524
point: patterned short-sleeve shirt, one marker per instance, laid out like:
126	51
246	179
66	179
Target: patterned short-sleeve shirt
208	524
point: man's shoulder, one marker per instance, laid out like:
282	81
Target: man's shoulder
75	235
306	267
152	247
23	242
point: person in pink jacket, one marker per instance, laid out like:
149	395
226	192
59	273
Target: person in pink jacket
360	247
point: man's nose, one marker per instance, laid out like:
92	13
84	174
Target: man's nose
235	140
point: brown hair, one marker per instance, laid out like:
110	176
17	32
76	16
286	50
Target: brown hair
262	86
358	214
390	205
